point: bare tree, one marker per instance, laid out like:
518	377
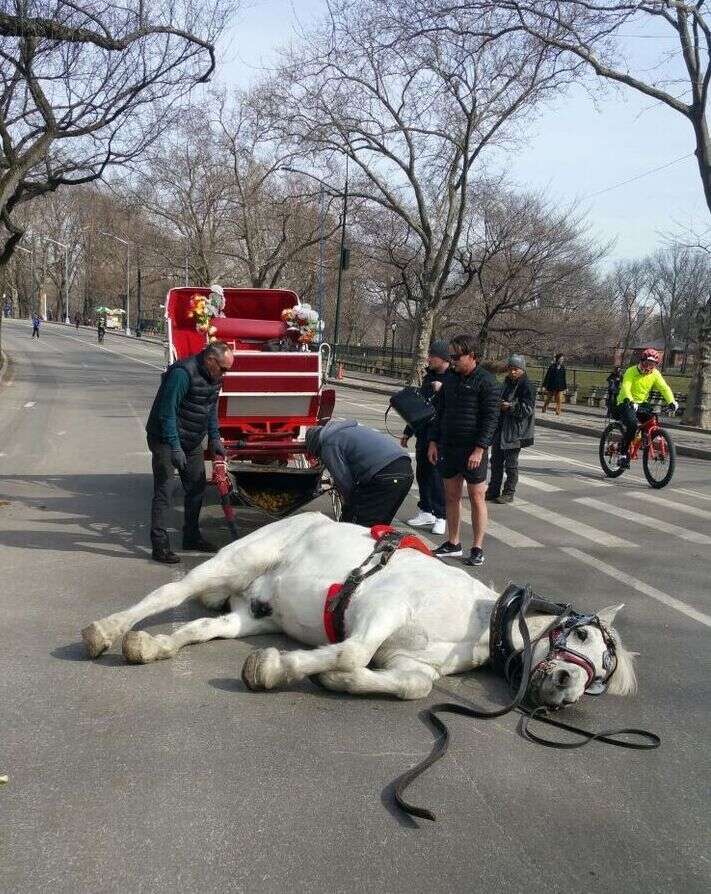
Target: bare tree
628	286
87	86
679	281
524	259
414	112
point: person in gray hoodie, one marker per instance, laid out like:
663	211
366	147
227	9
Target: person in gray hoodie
372	473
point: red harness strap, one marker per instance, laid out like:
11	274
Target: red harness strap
409	541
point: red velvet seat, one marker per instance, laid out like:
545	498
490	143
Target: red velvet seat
233	329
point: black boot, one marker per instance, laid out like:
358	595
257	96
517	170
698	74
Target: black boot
165	555
198	544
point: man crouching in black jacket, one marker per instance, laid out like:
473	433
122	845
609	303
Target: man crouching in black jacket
467	415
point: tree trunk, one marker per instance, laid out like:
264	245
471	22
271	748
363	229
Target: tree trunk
424	337
698	404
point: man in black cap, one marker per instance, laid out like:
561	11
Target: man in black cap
429	481
183	412
514	431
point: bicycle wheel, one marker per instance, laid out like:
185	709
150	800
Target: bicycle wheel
658	469
610	444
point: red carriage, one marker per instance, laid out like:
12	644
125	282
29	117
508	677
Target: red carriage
273	392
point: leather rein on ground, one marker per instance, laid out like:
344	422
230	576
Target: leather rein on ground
647	739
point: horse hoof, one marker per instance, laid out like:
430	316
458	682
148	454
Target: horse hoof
95	639
139	647
262	670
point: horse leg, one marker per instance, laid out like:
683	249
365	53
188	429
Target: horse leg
208	581
403	678
213	582
139	647
268	668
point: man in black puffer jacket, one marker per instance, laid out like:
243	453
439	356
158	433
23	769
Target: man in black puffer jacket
183	412
467	415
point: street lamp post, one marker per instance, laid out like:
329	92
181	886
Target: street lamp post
66	274
393	328
128	275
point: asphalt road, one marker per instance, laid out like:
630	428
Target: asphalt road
172	777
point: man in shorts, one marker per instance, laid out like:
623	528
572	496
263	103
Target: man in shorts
467	415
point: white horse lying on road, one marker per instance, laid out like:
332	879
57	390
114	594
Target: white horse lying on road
410	623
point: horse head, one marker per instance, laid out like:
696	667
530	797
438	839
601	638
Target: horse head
578	658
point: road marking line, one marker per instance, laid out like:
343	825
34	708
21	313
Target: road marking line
691	493
671	504
507	536
651	522
30	404
638	585
539	485
88	344
535	454
601	538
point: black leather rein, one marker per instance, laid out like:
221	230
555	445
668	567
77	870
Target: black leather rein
647	741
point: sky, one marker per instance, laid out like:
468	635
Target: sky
578	151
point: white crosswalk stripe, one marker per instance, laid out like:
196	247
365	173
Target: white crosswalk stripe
507	536
601	538
539	485
670	504
692	493
649	521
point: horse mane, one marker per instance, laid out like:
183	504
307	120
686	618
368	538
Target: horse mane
624	679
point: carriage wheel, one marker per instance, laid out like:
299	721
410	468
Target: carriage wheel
659	469
336	504
610	448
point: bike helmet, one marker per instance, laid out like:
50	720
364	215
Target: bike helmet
650	355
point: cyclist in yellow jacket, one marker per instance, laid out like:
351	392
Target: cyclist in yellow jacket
637	384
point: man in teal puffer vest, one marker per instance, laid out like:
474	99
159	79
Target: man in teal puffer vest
183	412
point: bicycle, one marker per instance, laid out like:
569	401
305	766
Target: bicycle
655	442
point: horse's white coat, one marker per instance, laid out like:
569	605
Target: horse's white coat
410	623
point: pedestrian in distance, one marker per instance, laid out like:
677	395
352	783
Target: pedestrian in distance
554	384
515	430
77	321
36	320
183	412
101	330
370	470
459	440
429	481
614	380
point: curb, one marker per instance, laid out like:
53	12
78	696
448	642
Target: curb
3	365
681	449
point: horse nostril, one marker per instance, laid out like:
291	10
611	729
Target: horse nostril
562	678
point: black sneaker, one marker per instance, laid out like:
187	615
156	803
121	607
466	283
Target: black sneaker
199	545
624	461
504	498
476	556
491	498
448	550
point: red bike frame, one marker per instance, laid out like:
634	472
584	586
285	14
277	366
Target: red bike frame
645	438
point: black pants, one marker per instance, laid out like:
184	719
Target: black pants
35	331
630	419
429	481
503	460
193	481
377	501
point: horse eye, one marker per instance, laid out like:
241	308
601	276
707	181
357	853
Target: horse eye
582	634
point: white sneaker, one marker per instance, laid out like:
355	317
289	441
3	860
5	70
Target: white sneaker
439	526
422	520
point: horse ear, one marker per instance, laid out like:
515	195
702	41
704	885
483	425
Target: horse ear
607	615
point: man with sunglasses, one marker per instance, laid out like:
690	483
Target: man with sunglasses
183	412
459	440
637	384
